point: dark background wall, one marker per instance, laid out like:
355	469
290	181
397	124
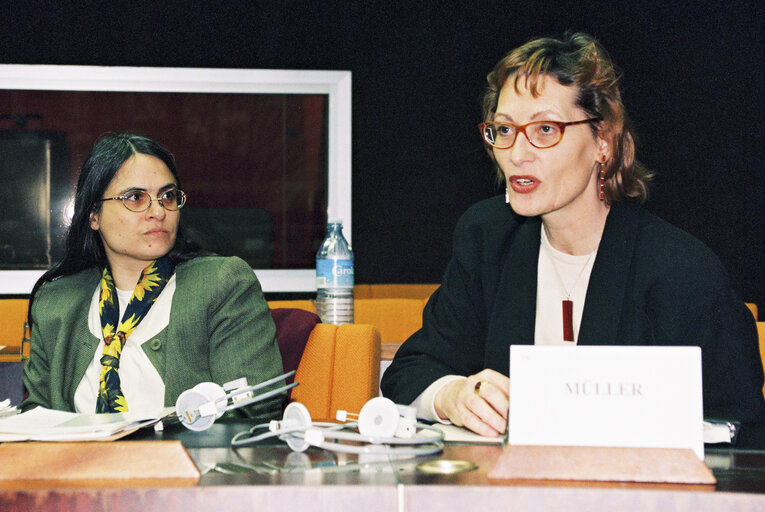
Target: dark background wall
693	83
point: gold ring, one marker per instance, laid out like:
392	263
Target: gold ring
479	385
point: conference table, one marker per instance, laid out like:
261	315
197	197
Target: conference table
269	476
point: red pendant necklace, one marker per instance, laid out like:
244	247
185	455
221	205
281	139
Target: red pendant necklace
568	319
567	305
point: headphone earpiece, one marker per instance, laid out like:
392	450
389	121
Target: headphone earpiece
379	418
383	428
296	417
197	407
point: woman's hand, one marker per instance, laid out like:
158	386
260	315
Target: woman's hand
479	402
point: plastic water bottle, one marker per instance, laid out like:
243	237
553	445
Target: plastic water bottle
334	277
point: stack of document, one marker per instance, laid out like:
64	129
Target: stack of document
6	409
41	424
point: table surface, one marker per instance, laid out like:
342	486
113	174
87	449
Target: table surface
272	477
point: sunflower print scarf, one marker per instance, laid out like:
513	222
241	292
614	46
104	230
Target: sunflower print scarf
151	283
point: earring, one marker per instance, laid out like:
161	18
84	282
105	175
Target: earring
507	196
602	187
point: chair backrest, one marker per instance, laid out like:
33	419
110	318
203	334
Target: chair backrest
293	327
13	314
396	319
337	367
306	305
761	333
394	291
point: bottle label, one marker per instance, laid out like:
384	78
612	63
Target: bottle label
334	273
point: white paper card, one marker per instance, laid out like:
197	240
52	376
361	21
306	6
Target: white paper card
606	396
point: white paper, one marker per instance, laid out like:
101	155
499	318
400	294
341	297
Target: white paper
716	433
6	409
453	433
606	396
41	424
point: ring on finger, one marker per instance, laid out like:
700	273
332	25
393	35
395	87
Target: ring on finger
479	385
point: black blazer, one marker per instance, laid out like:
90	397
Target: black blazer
651	284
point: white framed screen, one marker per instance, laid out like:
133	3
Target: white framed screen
334	88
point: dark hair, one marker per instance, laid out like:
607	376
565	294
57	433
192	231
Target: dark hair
578	60
84	248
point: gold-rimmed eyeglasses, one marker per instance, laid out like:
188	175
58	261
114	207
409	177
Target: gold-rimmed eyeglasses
540	134
140	200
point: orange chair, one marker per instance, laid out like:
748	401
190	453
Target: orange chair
753	308
396	319
13	314
306	305
394	291
396	309
339	369
761	333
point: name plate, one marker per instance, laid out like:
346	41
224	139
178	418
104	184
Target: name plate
644	397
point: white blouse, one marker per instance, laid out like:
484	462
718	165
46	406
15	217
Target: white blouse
559	274
141	384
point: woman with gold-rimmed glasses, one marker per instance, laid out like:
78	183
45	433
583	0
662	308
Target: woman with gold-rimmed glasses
568	256
133	315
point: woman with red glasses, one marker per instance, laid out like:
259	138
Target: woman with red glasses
568	256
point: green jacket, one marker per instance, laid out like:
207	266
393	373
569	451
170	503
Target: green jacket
220	329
